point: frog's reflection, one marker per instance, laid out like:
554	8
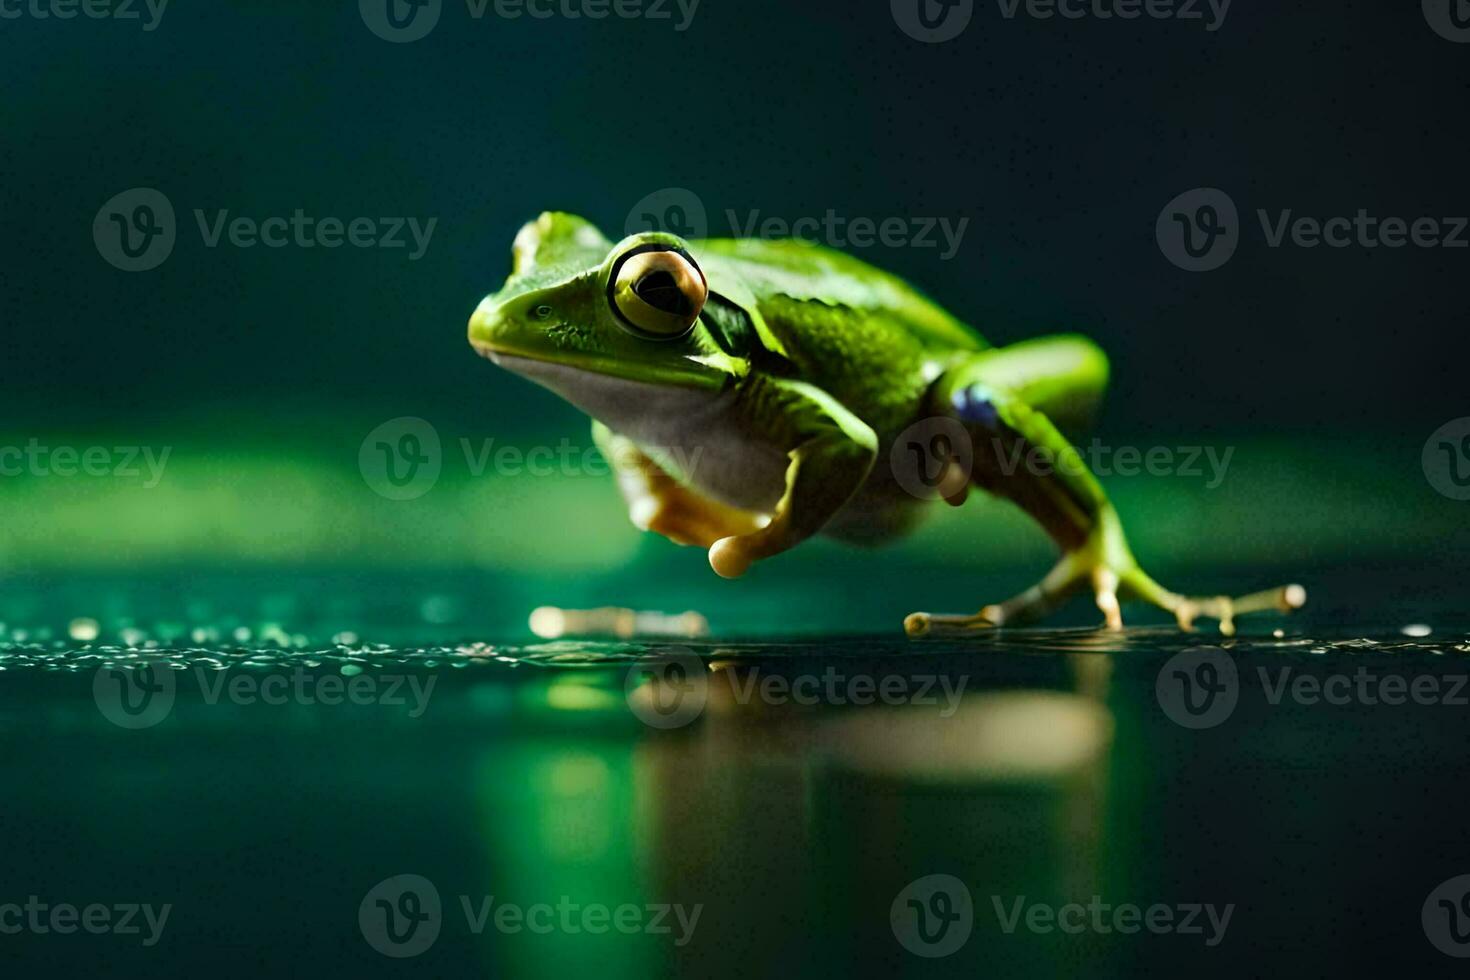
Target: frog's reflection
794	822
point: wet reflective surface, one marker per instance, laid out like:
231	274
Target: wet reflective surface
308	798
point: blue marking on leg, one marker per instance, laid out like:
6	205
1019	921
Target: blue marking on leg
974	404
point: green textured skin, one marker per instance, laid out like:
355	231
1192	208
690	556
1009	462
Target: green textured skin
863	335
866	338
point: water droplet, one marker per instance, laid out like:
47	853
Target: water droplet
83	629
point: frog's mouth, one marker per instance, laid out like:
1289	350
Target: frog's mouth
587	369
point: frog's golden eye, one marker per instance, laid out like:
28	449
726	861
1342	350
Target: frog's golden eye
658	292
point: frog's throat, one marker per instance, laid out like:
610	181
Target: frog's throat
696	430
620	402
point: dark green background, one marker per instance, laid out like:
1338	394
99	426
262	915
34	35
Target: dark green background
1059	140
263	370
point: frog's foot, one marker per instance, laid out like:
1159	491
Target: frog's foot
1105	564
1033	604
686	518
1223	609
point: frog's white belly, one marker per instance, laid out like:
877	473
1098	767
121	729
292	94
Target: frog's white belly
693	432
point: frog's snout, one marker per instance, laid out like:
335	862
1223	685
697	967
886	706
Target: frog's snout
487	328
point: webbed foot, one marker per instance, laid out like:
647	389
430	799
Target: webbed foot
1106	566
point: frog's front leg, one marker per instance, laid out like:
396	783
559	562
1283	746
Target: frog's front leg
1019	455
831	452
659	503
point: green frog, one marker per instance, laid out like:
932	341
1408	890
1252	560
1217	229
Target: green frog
751	393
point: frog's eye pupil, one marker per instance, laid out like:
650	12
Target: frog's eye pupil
543	311
660	291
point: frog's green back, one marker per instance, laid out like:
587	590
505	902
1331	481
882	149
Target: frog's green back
805	271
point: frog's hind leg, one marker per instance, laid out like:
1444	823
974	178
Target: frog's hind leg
1020	455
1062	376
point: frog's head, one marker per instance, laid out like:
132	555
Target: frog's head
580	313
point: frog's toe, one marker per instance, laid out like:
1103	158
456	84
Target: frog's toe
922	623
730	558
1221	608
1105	592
